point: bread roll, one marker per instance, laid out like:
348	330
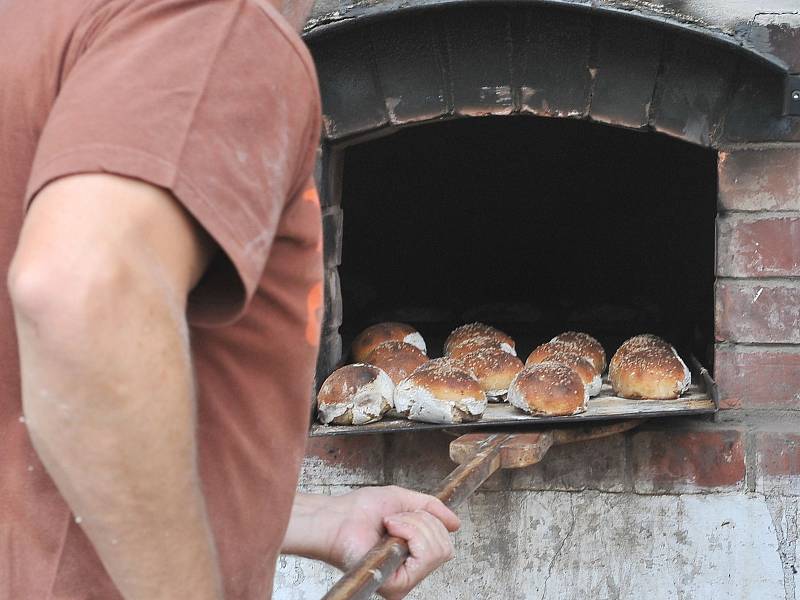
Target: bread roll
579	364
355	395
440	392
480	342
374	335
472	330
548	388
397	359
543	352
649	371
493	368
644	340
586	346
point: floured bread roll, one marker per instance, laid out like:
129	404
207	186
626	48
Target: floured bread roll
355	395
397	359
586	346
548	388
440	392
650	368
579	364
478	330
374	335
480	342
493	368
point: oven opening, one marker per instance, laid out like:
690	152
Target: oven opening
533	225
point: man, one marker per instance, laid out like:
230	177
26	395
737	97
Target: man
160	328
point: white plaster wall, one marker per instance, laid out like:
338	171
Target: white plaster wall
601	546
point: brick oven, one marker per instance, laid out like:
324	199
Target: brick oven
616	166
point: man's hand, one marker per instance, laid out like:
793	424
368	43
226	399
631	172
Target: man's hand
341	529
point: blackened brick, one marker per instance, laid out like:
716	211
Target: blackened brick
332	232
410	66
625	72
352	101
755	113
693	89
478	48
552	70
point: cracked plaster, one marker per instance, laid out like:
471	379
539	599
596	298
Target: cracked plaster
560	545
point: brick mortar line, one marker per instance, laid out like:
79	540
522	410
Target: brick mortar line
760	280
750	417
750	461
776	213
759	213
745	146
765	345
751	412
741	491
628	476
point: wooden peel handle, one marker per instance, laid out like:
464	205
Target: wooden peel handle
386	556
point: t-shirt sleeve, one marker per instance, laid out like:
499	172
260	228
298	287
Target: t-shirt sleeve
214	101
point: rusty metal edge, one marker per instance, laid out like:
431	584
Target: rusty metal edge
336	23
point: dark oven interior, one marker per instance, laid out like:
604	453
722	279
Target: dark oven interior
534	225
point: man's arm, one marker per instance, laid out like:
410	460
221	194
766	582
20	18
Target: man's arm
341	529
99	284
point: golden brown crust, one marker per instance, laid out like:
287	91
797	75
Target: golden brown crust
446	380
397	359
548	388
573	360
476	343
644	340
543	352
493	368
374	335
650	369
586	346
472	330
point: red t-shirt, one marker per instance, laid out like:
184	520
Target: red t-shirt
216	101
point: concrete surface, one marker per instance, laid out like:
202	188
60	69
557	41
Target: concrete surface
604	546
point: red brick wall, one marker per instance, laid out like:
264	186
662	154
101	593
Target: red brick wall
757	309
758	278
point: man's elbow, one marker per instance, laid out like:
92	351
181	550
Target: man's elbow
60	301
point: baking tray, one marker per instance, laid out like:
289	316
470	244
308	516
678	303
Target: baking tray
701	398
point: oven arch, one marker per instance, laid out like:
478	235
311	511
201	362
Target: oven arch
390	70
